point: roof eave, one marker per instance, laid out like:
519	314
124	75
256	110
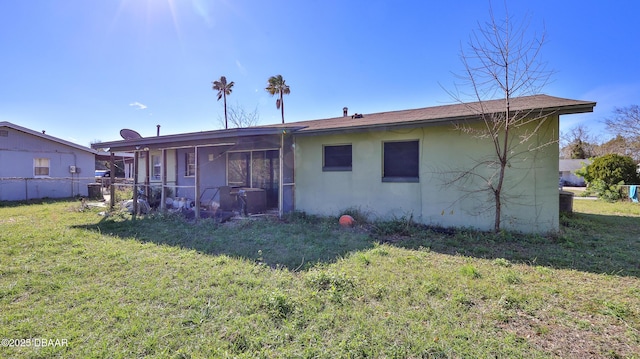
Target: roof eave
379	126
575	109
193	139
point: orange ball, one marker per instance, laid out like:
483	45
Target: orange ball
346	220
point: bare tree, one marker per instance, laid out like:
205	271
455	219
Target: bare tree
578	143
501	62
623	146
625	123
238	117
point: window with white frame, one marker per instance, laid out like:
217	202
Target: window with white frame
156	161
401	161
190	164
41	167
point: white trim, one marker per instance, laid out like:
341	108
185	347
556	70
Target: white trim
48	167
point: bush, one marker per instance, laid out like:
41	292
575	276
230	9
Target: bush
612	169
609	193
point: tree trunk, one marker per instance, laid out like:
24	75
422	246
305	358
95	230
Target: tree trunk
282	106
226	124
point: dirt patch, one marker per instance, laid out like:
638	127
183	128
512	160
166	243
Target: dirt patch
578	338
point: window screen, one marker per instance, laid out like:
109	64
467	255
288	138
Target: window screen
401	161
337	158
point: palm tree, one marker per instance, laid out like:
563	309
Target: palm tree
278	86
223	89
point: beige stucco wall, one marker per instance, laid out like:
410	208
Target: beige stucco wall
531	190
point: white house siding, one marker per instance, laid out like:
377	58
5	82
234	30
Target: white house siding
17	181
532	187
568	168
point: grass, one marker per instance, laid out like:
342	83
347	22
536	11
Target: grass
305	288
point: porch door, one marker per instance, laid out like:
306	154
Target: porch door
265	171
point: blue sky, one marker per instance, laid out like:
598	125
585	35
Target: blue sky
82	70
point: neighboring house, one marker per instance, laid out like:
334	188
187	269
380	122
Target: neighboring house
123	162
386	165
567	171
36	165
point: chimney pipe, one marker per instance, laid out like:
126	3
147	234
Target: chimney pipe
158	130
344	111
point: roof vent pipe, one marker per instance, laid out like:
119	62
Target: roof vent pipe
158	130
344	111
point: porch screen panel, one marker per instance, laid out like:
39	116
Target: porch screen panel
265	172
239	169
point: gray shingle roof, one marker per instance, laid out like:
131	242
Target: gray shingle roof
445	113
381	120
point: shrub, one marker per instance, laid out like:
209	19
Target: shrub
402	226
612	169
609	193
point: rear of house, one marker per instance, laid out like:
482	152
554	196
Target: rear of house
387	165
410	164
36	165
410	173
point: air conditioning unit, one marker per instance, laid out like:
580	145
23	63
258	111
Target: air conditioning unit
73	169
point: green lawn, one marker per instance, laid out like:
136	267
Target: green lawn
109	287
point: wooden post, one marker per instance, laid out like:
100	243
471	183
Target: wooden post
163	198
147	178
136	161
197	184
281	179
112	179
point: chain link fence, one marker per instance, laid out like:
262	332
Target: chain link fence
23	188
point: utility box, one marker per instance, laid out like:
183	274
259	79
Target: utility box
227	200
566	201
95	191
255	200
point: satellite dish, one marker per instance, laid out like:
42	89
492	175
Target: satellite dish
128	134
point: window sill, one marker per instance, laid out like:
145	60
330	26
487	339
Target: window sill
336	169
401	179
